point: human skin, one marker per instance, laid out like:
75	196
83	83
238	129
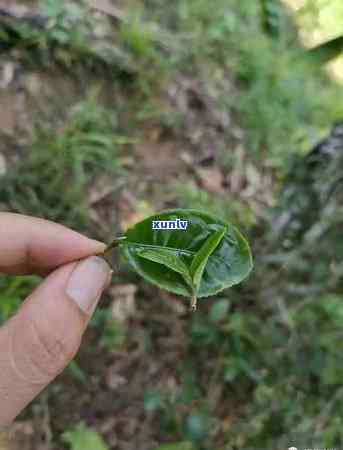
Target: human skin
40	340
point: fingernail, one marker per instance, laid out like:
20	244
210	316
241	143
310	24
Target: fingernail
101	247
87	282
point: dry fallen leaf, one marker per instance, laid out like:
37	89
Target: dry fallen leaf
211	179
100	189
114	380
7	69
131	210
106	7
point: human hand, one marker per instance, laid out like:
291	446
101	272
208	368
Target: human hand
43	337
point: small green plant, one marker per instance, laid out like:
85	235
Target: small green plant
189	195
13	290
67	161
186	252
83	438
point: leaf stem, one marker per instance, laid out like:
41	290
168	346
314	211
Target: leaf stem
105	254
193	304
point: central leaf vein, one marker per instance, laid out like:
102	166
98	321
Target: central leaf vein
174	249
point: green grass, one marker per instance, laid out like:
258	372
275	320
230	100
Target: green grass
13	291
67	161
284	101
83	438
189	195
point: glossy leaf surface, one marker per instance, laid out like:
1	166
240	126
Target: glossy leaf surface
161	255
169	259
201	257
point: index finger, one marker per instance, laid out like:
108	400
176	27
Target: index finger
32	245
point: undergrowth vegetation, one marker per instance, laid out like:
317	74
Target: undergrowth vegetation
261	364
66	160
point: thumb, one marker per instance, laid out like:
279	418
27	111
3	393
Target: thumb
45	334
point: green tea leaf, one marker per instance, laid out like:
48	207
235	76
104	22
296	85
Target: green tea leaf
326	51
170	259
201	257
228	264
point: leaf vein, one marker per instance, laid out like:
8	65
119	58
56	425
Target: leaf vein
179	250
